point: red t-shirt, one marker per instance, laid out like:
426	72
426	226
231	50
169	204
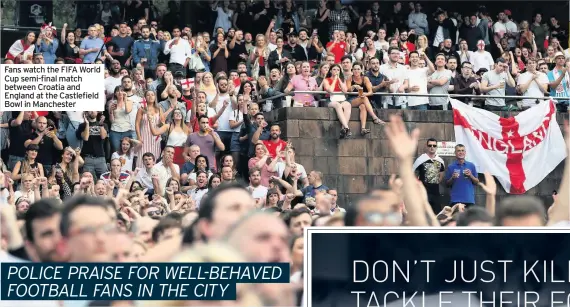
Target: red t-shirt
339	50
272	147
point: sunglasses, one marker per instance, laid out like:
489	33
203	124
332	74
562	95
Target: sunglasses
432	145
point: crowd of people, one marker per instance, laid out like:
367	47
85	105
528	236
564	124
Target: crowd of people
182	158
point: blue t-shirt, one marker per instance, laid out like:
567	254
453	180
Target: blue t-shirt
462	189
310	192
88	43
562	89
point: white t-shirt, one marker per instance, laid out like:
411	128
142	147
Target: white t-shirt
533	89
259	192
481	60
237	116
400	73
164	173
111	83
75	116
197	195
224	120
136	106
281	169
127	161
418	77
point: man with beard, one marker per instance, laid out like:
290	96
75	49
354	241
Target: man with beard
297	51
20	131
146	52
46	140
172	103
258	191
248	41
304	40
273	142
120	45
207	139
238	52
127	84
93	133
114	79
378	81
201	187
223	104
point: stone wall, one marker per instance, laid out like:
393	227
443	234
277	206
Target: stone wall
354	166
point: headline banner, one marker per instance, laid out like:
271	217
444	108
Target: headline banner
149	281
437	267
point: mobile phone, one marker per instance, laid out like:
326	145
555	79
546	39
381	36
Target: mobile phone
315	32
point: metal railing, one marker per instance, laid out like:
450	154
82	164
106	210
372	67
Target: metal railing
431	95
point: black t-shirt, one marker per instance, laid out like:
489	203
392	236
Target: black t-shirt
94	146
122	44
297	52
46	149
18	135
262	23
238	50
428	173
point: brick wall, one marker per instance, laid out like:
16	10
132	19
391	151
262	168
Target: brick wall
356	165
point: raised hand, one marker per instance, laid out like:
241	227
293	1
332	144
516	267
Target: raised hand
490	186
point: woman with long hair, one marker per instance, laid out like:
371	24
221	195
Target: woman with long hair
70	48
201	164
287	17
47	44
139	82
303	82
177	134
279	57
366	23
369	52
259	57
229	160
66	172
246	90
29	165
148	114
361	84
322	73
242	17
220	55
119	108
334	84
214	182
288	74
208	86
263	161
22	49
315	50
126	153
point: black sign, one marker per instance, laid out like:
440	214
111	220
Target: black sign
35	13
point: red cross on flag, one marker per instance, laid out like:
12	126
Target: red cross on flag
520	151
187	83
